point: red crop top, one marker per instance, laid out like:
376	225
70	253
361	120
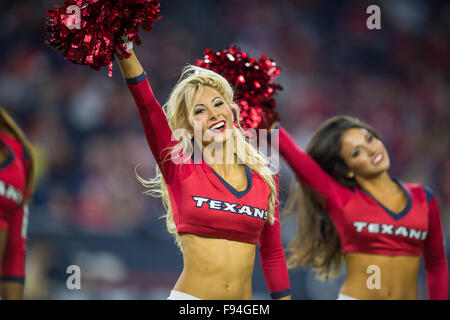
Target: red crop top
204	204
13	215
366	226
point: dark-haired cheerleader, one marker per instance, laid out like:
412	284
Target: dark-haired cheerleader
353	211
16	185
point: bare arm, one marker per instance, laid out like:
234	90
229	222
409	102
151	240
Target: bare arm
12	290
130	67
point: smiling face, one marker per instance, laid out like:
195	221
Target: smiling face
210	110
364	154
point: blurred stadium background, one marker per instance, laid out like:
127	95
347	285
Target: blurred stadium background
89	209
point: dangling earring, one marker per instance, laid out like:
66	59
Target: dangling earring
351	175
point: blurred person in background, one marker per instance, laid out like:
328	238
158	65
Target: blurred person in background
16	187
218	244
402	69
349	209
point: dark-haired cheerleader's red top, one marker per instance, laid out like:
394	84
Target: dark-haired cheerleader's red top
13	214
366	226
204	204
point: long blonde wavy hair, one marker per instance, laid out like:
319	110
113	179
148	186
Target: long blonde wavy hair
190	84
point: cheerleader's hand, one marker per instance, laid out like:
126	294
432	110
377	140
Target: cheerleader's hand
127	42
129	66
120	52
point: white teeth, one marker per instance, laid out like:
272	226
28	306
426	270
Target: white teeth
378	158
217	126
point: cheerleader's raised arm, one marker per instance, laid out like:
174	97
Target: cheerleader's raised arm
309	172
157	131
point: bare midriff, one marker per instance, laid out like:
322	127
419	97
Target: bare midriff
381	277
216	269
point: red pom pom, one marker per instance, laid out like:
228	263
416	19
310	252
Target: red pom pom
253	83
90	31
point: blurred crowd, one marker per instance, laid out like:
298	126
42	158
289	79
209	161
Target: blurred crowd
87	133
